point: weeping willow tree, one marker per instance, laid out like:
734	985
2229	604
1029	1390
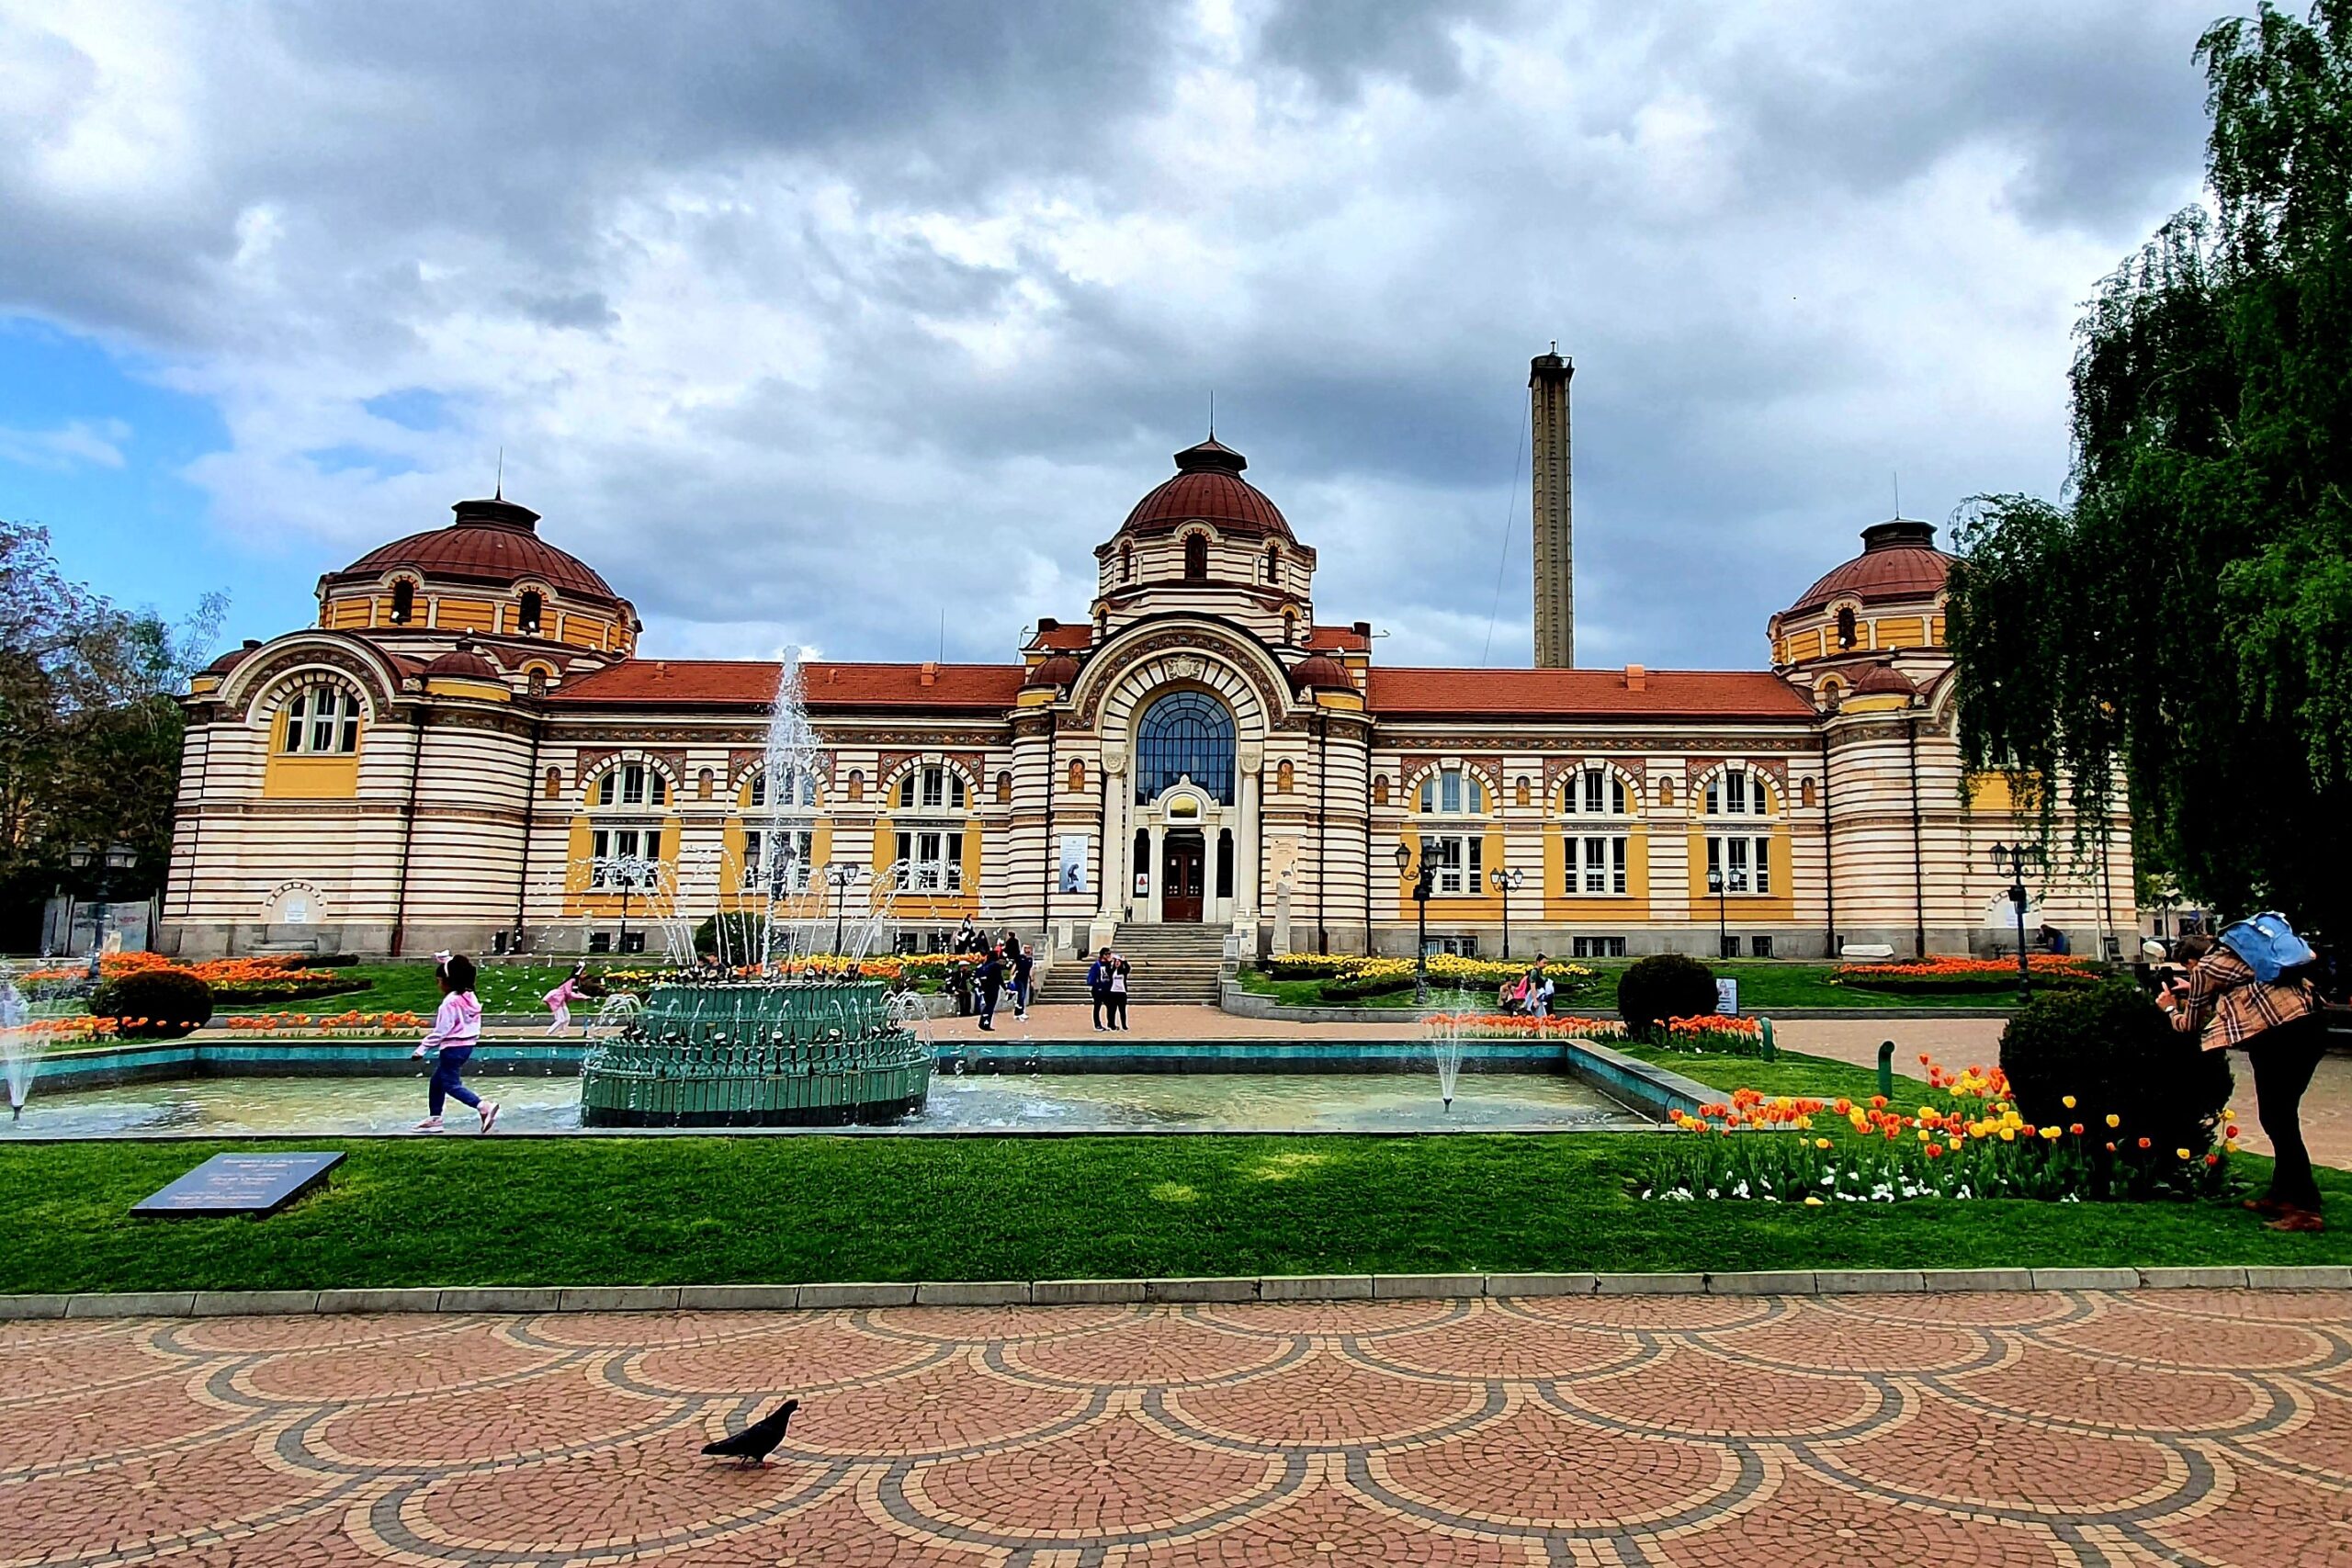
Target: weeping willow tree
2181	627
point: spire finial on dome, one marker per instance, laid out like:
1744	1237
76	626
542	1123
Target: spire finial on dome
498	491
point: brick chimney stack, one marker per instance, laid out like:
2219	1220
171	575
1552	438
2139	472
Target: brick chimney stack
1554	570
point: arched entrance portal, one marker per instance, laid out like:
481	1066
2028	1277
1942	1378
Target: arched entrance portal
1184	797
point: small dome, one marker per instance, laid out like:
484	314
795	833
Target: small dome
233	657
1318	671
1881	680
1208	486
1054	669
464	663
1899	560
493	541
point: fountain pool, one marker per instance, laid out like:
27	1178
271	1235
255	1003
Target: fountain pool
979	1102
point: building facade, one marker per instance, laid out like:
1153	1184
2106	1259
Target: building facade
469	737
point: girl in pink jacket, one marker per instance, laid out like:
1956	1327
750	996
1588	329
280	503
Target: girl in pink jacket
456	1028
559	1001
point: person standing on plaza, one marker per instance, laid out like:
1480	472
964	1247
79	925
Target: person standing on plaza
1118	991
456	1028
1019	963
1098	984
990	981
559	1001
1537	997
2226	1003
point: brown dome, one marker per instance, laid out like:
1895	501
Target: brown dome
492	542
464	663
1208	486
1318	671
1883	679
231	659
1899	560
1054	670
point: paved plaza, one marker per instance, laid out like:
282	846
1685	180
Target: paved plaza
1623	1432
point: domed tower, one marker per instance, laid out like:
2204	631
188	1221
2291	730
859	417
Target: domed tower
1883	609
1207	542
488	577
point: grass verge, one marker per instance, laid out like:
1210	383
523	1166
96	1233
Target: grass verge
1765	985
694	1210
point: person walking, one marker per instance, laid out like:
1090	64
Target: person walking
1098	984
1118	984
1019	963
990	980
456	1028
2226	1002
1538	996
559	1001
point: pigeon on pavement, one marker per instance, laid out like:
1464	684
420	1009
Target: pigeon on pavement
755	1442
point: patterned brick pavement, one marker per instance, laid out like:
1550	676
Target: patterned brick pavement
2113	1430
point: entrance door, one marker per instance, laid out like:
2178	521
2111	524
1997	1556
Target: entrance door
1182	855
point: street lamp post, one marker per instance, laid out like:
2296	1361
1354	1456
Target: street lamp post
1421	890
1507	883
1723	916
102	868
838	877
2013	860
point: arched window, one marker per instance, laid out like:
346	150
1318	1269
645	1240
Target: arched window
933	788
403	602
857	784
1184	734
555	783
1666	792
535	682
1077	777
322	720
1380	790
1127	561
1004	789
1519	796
1737	791
1289	628
1274	563
1196	557
1453	792
1595	792
703	782
632	785
798	790
1739	852
1805	795
1847	633
526	614
1285	779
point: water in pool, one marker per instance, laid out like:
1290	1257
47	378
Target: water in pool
227	1107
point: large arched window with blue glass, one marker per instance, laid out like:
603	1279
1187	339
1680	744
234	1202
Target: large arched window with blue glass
1184	734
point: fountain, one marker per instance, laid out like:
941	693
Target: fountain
787	1046
1441	1032
19	1048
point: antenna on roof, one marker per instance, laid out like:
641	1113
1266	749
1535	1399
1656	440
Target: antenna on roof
943	634
498	492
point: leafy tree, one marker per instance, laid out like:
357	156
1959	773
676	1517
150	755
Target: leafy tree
89	727
2181	624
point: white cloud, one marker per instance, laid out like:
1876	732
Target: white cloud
76	444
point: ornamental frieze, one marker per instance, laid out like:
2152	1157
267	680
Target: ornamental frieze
1192	644
257	676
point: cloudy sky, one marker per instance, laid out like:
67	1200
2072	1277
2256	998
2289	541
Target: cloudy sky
805	321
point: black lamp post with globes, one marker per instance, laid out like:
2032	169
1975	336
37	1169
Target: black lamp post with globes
1422	886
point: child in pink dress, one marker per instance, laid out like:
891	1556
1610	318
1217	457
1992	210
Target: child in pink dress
559	1001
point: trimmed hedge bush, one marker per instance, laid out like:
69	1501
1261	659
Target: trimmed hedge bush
1665	986
2113	1051
155	1004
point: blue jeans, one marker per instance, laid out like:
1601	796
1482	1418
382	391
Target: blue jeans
446	1068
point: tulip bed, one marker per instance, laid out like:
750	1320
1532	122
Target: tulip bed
1963	1140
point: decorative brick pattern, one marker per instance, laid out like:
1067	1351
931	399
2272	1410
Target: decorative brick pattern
2051	1428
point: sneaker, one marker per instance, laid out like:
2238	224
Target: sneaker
430	1124
489	1114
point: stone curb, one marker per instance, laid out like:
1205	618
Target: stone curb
547	1299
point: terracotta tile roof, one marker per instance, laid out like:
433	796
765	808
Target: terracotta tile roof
1065	640
1695	694
717	682
1899	560
1208	485
1336	640
492	542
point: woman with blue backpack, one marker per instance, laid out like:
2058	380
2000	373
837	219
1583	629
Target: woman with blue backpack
2249	988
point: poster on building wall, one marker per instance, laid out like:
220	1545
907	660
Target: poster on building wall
1073	876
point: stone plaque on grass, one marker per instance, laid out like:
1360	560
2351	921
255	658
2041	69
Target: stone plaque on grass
239	1184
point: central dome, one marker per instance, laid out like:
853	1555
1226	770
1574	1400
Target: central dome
1899	561
1208	488
492	542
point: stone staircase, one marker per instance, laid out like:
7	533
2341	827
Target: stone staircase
1168	963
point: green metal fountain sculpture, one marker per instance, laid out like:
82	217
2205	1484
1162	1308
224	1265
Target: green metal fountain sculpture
757	1053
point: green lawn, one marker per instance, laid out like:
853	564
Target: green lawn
410	987
1765	985
1790	1073
678	1209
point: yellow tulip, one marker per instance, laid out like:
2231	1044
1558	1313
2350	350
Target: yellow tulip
2113	1120
2067	1100
2008	1134
1821	1142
